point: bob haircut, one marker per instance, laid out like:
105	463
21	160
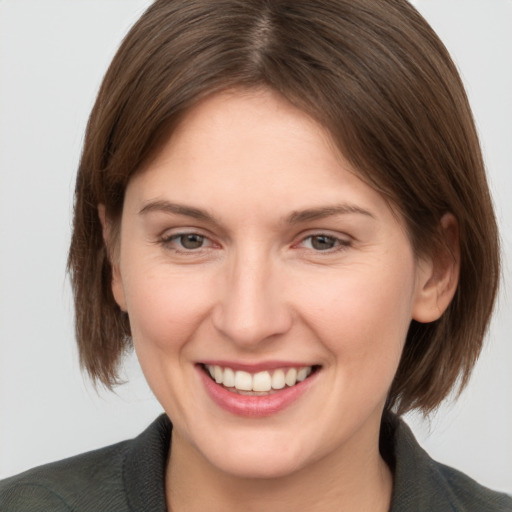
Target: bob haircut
375	75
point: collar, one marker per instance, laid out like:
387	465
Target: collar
420	483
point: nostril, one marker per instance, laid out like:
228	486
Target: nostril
247	325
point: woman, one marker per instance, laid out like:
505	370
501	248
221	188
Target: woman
283	206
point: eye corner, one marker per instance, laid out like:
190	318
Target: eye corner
324	242
187	242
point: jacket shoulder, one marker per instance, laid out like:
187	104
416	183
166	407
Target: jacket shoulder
90	481
424	485
469	495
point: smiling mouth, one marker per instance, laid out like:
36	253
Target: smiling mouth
261	383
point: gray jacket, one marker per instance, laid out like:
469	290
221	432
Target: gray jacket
129	477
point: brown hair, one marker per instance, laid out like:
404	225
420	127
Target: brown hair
375	74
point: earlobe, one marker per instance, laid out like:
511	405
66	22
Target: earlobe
112	255
438	274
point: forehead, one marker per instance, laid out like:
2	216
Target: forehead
242	151
235	122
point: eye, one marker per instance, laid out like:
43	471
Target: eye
191	241
186	241
324	242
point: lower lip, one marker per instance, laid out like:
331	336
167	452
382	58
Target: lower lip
254	406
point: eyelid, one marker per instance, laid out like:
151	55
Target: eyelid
206	241
168	237
172	234
343	240
342	236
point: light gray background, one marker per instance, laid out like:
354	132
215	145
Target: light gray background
52	57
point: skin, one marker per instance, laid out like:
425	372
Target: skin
258	289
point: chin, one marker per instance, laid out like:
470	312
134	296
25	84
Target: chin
257	458
258	467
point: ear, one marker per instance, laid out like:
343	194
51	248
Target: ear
112	250
438	274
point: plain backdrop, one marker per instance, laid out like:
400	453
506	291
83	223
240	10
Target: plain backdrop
53	54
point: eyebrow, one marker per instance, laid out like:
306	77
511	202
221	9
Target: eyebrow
177	209
295	217
326	211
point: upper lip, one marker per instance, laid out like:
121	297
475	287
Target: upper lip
256	367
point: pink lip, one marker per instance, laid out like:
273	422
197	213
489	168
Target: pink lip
257	367
254	406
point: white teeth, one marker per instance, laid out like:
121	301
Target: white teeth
278	381
229	378
261	381
243	381
302	374
291	377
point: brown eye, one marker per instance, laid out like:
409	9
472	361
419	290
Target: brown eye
190	241
323	242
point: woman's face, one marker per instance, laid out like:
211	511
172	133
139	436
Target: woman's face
249	250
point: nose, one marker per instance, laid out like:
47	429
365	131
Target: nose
251	307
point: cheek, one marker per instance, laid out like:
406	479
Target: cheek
361	316
166	313
164	308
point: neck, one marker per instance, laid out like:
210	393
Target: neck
355	480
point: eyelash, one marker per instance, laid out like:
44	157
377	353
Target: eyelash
340	244
169	241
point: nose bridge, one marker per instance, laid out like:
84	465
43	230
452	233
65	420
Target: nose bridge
252	307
